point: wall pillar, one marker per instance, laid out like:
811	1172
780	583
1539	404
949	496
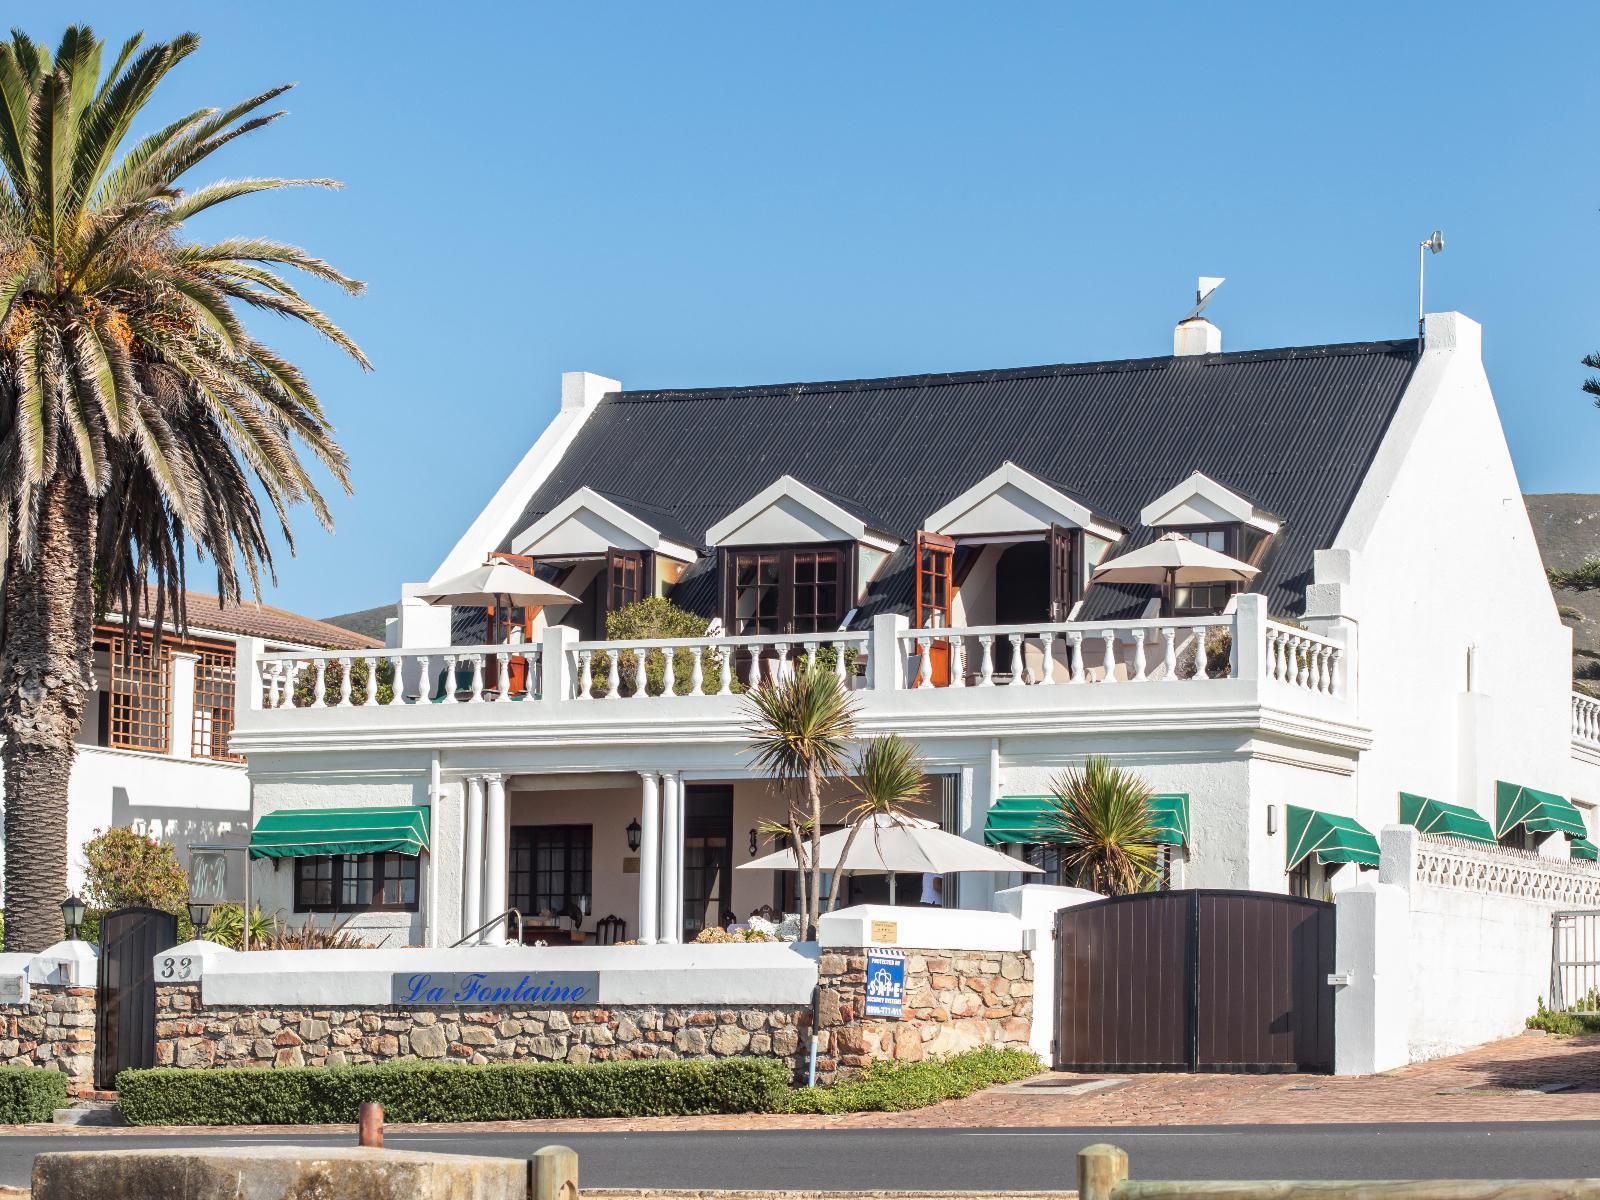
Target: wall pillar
472	857
671	858
495	833
649	857
180	734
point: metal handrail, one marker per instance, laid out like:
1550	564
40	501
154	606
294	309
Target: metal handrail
510	912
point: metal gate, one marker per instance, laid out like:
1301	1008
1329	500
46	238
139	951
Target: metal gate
1195	981
1575	960
125	1021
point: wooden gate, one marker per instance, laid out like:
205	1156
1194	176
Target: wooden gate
1195	981
125	1020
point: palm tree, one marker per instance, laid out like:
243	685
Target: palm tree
1101	818
140	421
800	726
889	776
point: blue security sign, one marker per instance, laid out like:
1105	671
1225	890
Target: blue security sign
886	983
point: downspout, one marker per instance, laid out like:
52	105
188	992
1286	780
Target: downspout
430	925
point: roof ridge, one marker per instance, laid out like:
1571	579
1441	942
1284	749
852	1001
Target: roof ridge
1043	371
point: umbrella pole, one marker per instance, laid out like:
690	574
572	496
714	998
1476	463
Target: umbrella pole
891	889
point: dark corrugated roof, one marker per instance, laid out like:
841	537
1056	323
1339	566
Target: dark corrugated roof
1294	429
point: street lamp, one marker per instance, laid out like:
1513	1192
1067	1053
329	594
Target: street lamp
633	835
199	916
72	910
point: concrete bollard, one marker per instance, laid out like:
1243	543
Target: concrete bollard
1100	1168
554	1174
370	1130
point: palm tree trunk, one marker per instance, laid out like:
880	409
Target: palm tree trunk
814	787
45	681
844	857
798	842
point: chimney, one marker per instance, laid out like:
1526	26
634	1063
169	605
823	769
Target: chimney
1195	334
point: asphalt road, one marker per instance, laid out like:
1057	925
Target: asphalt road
1022	1159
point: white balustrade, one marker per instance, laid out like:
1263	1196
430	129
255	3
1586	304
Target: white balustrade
1302	660
1585	719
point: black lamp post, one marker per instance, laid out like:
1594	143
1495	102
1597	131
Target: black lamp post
199	916
72	910
633	835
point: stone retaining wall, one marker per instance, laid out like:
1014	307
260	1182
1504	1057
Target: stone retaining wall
54	1029
954	1000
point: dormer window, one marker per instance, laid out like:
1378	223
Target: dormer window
1219	518
790	558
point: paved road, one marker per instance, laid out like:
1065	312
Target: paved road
986	1158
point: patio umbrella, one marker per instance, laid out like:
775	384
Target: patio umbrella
497	585
889	844
1170	560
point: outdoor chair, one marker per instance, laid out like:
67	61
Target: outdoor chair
608	931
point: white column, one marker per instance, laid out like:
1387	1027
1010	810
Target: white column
180	736
472	858
671	859
649	858
495	880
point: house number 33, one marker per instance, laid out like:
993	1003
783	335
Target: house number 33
176	968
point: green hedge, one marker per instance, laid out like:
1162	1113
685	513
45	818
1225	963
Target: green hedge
29	1095
897	1086
411	1091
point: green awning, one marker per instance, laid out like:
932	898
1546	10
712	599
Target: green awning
1542	812
1435	816
1583	848
1332	839
1170	815
1029	820
1020	819
307	832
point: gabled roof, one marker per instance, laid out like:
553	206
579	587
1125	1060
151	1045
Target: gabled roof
799	514
1294	429
1201	500
1011	500
206	613
587	522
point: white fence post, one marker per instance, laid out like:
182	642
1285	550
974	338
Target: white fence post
1372	996
887	667
1249	632
247	652
555	664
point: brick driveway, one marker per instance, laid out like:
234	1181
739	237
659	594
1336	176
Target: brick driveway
1492	1083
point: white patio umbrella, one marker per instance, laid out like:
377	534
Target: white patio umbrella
1173	559
889	844
499	585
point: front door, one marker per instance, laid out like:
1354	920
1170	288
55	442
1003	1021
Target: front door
125	1018
935	557
707	857
1061	572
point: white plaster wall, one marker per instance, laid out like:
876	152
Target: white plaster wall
1330	788
1035	905
175	800
1443	558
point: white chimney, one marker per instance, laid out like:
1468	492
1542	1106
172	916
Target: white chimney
1195	334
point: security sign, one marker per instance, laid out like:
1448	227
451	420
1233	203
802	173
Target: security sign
886	983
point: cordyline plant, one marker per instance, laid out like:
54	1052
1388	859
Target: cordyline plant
140	420
1101	818
800	726
889	777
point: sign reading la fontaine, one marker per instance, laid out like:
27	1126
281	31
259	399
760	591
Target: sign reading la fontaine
504	987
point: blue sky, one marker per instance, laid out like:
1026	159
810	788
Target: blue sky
689	193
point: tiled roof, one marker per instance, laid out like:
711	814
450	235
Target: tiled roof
1295	429
249	619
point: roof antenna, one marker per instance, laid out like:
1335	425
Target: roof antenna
1202	294
1435	244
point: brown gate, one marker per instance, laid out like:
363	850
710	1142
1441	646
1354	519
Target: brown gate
1195	981
125	1022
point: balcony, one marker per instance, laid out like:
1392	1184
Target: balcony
1240	671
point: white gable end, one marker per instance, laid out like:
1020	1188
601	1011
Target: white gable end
581	533
784	521
1201	500
1011	500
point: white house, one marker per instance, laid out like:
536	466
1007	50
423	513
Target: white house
1397	658
154	753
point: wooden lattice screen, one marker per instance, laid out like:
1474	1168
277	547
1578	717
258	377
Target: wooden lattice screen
141	684
213	702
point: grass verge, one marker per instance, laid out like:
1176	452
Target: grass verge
897	1086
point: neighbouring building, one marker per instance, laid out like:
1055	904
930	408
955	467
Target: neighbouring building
1398	658
154	753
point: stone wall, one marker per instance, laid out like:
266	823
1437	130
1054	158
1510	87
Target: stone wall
188	1035
54	1029
955	1000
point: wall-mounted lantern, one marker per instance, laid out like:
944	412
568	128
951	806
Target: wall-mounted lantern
633	835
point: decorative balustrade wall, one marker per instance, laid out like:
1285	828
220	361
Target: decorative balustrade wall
1447	862
1585	720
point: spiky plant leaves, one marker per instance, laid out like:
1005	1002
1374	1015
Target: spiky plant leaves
1100	817
889	778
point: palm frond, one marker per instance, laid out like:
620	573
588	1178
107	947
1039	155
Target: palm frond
1100	816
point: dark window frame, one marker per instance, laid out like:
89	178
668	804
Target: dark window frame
1233	545
382	870
788	558
524	869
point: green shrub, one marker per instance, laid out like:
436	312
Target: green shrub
412	1091
305	682
1565	1024
897	1086
124	869
28	1095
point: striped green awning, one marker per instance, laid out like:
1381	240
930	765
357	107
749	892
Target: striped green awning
1435	816
1170	815
1583	848
1332	839
1542	812
308	832
1020	819
1029	820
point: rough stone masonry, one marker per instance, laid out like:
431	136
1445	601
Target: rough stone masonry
54	1029
954	1001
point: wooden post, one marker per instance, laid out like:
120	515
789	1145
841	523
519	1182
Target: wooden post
371	1128
1100	1168
553	1174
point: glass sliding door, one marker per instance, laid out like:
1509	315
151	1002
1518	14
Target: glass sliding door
707	857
